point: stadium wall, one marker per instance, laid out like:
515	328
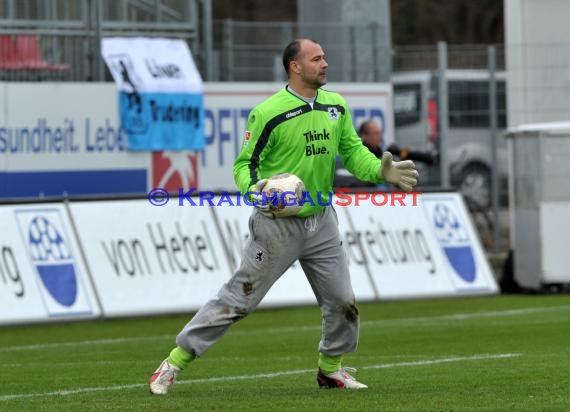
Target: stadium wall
89	259
64	140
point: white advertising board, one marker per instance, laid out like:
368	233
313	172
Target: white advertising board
393	244
42	274
150	259
146	259
423	246
77	147
464	261
65	139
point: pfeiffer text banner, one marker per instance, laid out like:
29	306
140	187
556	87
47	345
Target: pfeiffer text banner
160	92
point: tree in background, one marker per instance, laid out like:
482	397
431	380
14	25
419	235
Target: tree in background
417	22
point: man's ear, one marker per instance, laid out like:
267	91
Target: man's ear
295	66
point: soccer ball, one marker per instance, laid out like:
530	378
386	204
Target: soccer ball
284	193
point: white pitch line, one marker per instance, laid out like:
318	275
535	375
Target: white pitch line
444	360
291	329
471	315
109	341
260	376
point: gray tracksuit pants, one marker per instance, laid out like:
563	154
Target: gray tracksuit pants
273	245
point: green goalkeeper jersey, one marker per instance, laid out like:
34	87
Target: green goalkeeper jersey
286	135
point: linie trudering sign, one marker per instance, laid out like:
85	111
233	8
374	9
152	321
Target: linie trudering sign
160	90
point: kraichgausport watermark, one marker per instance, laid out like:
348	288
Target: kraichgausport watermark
344	197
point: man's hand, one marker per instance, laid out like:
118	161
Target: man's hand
257	199
402	174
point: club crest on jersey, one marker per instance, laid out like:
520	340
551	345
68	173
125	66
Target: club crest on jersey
246	138
333	113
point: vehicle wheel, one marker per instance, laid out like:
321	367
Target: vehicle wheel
475	185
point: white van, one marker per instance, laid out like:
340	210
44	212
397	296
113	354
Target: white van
468	140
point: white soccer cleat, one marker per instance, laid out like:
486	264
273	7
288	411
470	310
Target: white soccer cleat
340	379
163	378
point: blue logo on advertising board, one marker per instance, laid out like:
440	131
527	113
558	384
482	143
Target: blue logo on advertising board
133	118
454	239
52	258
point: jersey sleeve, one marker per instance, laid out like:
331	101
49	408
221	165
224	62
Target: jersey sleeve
357	159
245	165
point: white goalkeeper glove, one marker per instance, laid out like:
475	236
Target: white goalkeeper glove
402	174
258	200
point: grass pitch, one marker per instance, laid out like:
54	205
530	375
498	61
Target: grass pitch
491	353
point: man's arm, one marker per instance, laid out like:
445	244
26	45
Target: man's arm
245	169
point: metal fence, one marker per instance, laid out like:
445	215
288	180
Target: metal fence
425	57
60	40
251	51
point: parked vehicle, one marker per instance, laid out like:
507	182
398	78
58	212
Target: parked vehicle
417	125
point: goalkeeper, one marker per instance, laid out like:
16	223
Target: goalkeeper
298	130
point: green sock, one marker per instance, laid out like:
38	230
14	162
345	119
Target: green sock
329	364
179	357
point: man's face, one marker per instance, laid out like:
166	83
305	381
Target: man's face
312	64
373	135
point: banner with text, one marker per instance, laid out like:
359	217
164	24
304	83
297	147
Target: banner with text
160	91
78	146
42	275
173	258
420	245
156	260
